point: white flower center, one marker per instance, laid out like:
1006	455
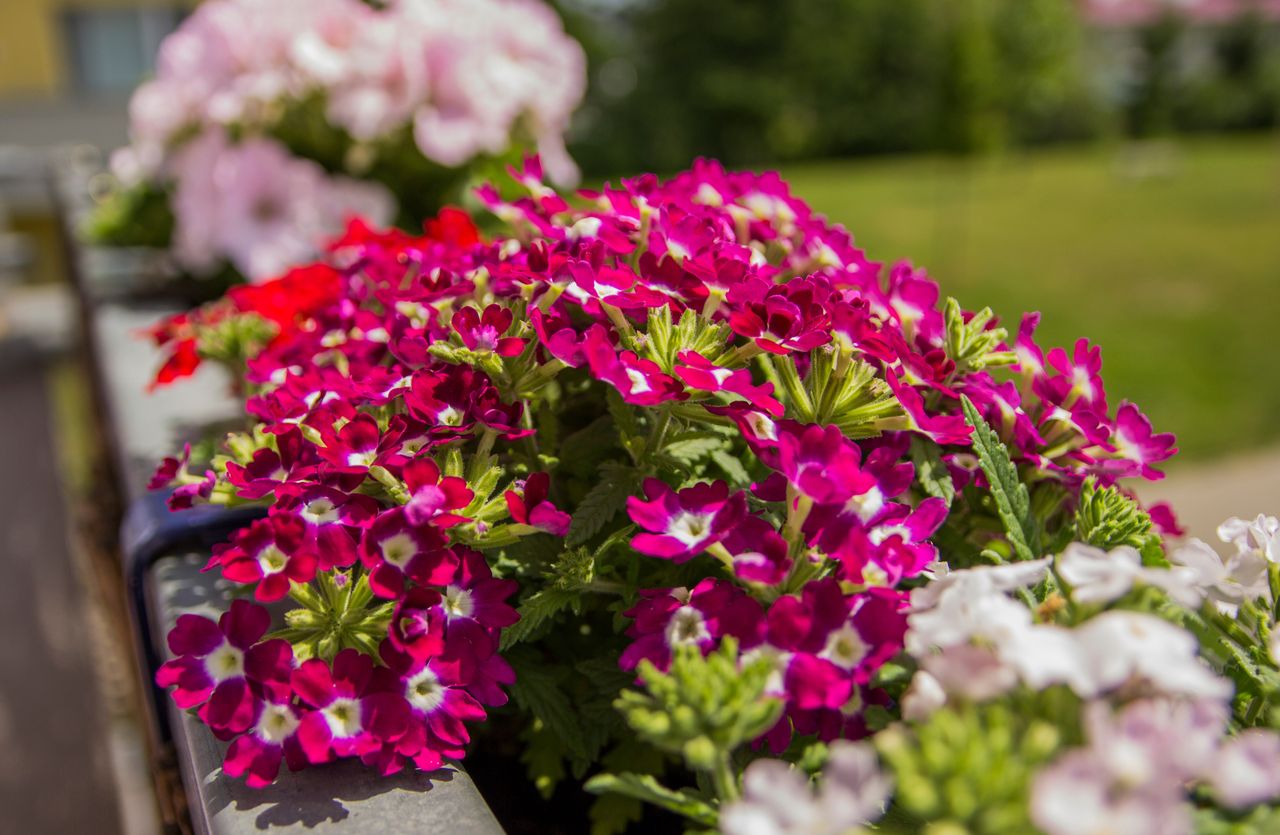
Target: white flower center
486	338
588	227
639	383
762	426
687	626
690	528
424	691
880	534
277	723
845	647
343	716
272	560
458	602
449	416
398	549
362	459
866	505
413	446
320	512
224	662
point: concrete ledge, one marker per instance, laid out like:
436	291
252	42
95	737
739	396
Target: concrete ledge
144	428
342	797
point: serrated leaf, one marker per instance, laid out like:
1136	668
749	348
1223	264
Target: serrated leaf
611	814
693	450
646	788
1013	503
931	470
589	447
543	757
731	466
602	502
535	612
537	691
624	418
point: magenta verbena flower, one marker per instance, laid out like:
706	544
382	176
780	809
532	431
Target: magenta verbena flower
355	713
701	616
685	523
271	553
698	372
431	497
332	519
639	381
485	332
529	506
396	551
209	671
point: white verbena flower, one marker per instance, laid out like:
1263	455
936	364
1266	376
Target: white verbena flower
1132	775
1098	576
778	800
1075	795
1227	582
1246	771
1118	646
1260	534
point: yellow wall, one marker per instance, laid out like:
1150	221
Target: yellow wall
32	59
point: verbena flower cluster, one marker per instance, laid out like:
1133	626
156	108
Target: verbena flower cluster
269	122
696	482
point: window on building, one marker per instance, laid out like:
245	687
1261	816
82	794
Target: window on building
110	50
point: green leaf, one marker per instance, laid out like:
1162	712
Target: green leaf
1106	518
972	345
931	471
589	447
537	691
611	814
543	757
1013	503
597	508
536	612
624	418
693	450
646	788
732	467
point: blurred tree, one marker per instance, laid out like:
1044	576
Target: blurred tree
756	81
1158	83
1241	90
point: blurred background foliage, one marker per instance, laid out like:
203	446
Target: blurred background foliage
756	81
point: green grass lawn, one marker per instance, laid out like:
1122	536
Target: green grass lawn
1176	273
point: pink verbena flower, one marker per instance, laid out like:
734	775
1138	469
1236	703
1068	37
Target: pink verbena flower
271	553
332	519
485	333
272	735
943	429
1138	445
528	505
439	706
432	498
354	712
686	523
639	381
698	372
701	616
209	671
395	550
